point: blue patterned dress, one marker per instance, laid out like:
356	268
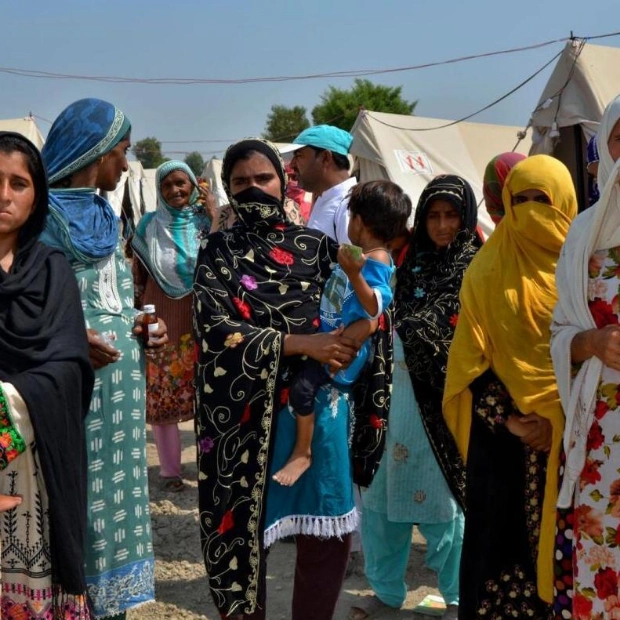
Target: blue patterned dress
119	550
82	224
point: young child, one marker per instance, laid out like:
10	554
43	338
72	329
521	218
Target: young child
359	288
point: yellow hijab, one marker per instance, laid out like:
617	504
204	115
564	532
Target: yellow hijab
507	299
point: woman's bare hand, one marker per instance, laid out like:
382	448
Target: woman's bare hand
157	337
101	354
7	502
533	430
209	202
357	332
332	348
603	343
606	345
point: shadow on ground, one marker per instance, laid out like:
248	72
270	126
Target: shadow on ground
182	592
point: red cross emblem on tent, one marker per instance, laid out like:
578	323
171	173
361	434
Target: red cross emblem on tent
413	162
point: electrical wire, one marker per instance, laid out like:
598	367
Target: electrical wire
34	73
583	41
483	109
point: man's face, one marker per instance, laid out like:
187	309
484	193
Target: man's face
307	164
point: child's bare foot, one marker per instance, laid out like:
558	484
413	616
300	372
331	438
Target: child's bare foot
292	471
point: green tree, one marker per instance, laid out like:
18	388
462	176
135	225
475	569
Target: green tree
283	123
148	152
195	161
340	107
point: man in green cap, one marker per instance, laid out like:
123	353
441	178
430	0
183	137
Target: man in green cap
321	166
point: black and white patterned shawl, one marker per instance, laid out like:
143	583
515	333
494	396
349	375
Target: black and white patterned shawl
255	283
427	308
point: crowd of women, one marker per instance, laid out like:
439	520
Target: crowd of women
484	412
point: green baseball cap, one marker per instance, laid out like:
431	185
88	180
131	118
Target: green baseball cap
325	137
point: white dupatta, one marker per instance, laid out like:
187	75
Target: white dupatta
598	228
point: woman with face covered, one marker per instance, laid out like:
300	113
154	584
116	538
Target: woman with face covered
256	300
586	357
501	400
85	151
165	248
45	386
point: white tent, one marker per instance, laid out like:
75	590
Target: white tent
26	126
585	79
149	193
412	150
128	199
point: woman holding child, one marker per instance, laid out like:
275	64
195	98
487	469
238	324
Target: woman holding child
256	299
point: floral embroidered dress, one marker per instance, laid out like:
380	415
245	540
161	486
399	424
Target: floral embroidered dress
27	587
596	551
170	370
165	249
505	492
409	486
44	393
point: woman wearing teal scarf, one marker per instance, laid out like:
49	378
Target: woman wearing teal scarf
85	151
166	245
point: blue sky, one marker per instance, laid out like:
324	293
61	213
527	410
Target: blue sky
253	38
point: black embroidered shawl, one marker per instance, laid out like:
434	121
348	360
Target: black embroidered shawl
255	283
372	393
427	308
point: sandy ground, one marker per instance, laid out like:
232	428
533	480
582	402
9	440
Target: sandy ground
181	584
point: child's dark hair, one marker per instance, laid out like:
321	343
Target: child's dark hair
383	206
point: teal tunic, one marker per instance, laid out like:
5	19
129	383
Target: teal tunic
409	485
321	503
119	550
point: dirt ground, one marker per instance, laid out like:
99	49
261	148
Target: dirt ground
181	585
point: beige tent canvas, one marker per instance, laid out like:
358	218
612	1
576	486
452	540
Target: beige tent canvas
26	127
149	193
412	150
585	79
128	196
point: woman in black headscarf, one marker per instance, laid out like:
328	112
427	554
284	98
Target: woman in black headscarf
427	305
256	300
46	382
421	478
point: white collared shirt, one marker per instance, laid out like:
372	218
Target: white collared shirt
330	213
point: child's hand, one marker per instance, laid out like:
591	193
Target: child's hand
332	370
350	262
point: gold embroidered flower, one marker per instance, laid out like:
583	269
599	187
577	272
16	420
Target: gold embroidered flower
232	340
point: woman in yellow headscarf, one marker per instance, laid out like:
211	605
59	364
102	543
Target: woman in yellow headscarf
501	400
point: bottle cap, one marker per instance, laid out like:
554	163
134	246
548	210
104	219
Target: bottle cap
149	308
